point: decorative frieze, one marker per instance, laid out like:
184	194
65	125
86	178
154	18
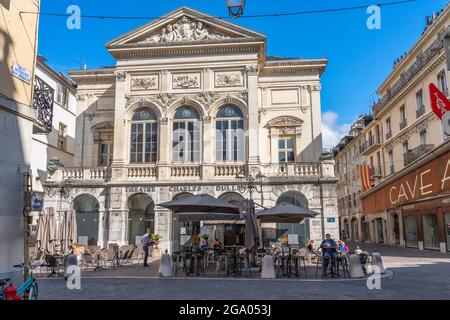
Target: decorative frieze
186	81
184	30
144	83
228	79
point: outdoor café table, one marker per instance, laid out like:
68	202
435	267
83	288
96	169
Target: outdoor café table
281	264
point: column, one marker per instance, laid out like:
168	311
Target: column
316	123
253	115
208	149
119	125
164	150
274	136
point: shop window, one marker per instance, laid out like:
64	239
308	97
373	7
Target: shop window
430	231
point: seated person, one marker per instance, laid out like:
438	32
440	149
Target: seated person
311	246
217	245
329	252
343	249
203	244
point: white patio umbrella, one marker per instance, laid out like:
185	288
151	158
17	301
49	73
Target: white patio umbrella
52	237
42	232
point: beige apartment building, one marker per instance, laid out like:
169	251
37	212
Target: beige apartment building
192	102
403	133
19	119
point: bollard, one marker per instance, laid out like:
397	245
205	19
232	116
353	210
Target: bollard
378	262
268	268
165	266
356	269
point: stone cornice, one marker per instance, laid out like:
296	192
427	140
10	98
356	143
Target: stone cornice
206	48
411	85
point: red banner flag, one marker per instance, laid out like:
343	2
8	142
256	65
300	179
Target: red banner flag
366	179
439	102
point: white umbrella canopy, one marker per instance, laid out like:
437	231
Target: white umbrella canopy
42	232
52	237
73	231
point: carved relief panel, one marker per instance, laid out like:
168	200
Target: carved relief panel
186	80
144	83
228	79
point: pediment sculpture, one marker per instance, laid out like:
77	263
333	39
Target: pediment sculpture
184	30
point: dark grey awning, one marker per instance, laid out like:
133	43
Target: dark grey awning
285	213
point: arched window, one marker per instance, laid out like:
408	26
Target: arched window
141	216
144	136
186	135
295	198
230	139
86	209
235	199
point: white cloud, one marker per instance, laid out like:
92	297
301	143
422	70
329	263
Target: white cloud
332	131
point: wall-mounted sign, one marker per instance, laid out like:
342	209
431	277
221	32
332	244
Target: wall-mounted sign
36	202
331	220
21	73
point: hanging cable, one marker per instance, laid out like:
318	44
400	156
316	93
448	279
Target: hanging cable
265	15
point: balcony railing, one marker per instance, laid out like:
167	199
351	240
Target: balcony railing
43	103
388	135
375	172
185	171
229	170
86	173
403	124
371	144
417	153
142	172
302	169
420	112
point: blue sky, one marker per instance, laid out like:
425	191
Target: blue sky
359	58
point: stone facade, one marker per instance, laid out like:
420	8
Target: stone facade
204	65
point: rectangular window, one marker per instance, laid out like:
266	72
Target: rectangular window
420	108
391	161
402	117
62	132
286	149
106	154
423	137
405	153
186	141
442	82
388	129
61	96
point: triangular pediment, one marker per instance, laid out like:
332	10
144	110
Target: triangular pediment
183	26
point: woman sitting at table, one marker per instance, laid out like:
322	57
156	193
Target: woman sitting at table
217	245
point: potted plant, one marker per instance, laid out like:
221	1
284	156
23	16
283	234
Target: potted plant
155	238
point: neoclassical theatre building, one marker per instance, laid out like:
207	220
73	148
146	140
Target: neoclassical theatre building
191	103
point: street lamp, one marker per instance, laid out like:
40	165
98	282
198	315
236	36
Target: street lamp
64	191
236	8
252	183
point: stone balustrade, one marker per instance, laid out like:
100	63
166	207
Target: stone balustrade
229	170
185	171
142	172
224	171
100	173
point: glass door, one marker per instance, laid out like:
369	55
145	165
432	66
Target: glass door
411	231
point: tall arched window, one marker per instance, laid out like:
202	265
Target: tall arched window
186	135
144	136
230	139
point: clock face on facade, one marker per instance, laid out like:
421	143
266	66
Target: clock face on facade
145	114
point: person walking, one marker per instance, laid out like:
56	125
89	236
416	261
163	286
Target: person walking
146	245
